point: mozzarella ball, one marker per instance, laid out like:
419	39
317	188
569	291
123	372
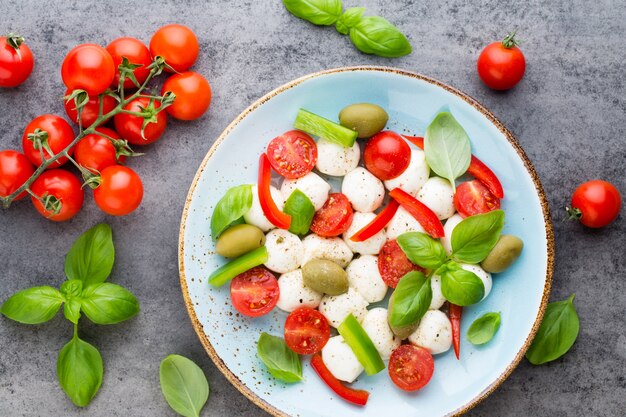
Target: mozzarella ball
484	276
363	189
341	360
255	215
370	246
438	299
334	159
376	326
329	248
415	175
437	194
364	277
294	294
312	185
451	223
434	332
285	251
402	222
337	307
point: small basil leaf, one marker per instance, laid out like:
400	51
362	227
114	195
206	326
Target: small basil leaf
282	362
459	286
483	328
184	385
412	298
422	249
375	35
557	333
349	19
447	147
108	303
33	306
318	12
71	310
91	257
234	204
79	368
475	236
301	210
72	288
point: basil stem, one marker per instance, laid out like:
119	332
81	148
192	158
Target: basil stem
238	266
319	126
361	344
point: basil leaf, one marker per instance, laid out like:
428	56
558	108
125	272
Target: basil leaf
72	288
282	362
459	286
483	328
79	367
301	210
557	333
91	257
184	385
234	204
318	12
108	303
349	19
475	236
375	35
422	249
33	306
447	147
412	298
71	310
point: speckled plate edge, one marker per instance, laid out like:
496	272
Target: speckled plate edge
516	146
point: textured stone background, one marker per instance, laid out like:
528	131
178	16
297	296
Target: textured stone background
569	114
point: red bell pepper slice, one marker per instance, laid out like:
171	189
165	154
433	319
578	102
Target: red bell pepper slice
358	397
270	209
455	312
425	216
415	140
378	223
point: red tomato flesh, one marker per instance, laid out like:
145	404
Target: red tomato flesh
306	331
411	367
335	216
255	292
292	154
393	263
472	197
386	155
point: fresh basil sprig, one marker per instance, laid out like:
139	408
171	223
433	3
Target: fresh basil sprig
234	204
459	286
349	19
301	210
184	385
475	236
483	328
412	298
282	362
422	249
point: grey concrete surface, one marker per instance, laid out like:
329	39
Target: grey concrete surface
569	114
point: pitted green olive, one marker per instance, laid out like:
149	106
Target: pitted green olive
366	118
400	332
325	276
239	239
506	251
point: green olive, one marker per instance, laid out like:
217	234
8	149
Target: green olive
400	332
366	118
239	239
506	251
325	276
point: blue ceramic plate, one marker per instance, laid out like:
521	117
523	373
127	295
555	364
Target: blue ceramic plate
412	100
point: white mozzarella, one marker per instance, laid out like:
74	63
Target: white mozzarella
437	194
438	299
484	276
255	215
341	360
312	185
376	326
402	222
363	189
329	248
415	175
451	223
434	332
364	277
285	251
336	160
337	307
294	294
370	246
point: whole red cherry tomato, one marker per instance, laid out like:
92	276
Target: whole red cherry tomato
96	152
595	203
61	191
129	126
16	60
193	95
386	155
501	65
137	53
120	190
15	169
177	44
88	67
89	113
51	129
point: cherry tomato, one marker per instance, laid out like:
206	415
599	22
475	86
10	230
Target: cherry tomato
306	331
411	367
64	188
177	44
335	216
193	95
96	152
88	67
386	155
255	292
16	61
595	203
137	53
129	126
472	197
60	135
393	263
120	190
501	65
292	154
89	113
15	169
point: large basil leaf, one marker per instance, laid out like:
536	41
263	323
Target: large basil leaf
412	298
301	210
34	305
235	203
349	19
318	12
375	35
184	385
422	249
108	303
475	236
447	147
282	362
459	286
79	368
483	328
91	257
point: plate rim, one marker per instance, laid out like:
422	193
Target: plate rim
550	246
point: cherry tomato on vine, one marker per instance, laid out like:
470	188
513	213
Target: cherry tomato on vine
595	203
96	152
88	67
472	197
386	155
16	60
53	130
254	293
501	65
89	113
15	169
193	95
306	331
120	190
137	53
61	190
177	44
129	126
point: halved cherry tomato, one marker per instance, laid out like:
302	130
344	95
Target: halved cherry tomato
425	216
59	136
292	154
15	169
377	223
411	367
96	152
120	190
58	186
335	216
193	95
472	197
16	61
306	331
358	397
455	312
386	155
255	292
501	65
270	209
393	263
88	67
177	44
129	126
595	203
89	113
137	53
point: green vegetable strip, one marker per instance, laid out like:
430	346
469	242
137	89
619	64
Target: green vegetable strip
361	345
319	126
238	266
